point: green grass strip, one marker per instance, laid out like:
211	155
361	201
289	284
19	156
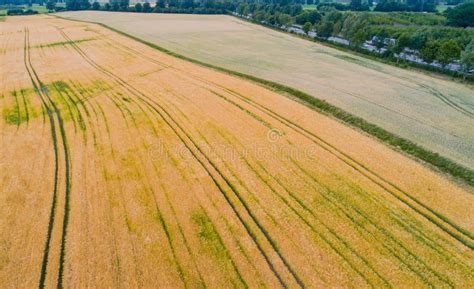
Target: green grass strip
442	164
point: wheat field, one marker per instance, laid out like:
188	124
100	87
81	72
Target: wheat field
123	166
434	112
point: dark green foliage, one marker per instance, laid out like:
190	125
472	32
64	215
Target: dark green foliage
312	17
461	16
138	7
146	7
325	29
402	42
115	6
448	51
16	11
307	27
77	5
119	5
95	6
357	5
406	18
160	4
391	5
51	5
430	50
426	39
328	6
409	5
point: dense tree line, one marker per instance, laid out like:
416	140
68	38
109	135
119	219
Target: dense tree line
161	6
408	5
20	2
422	32
19	11
440	44
462	15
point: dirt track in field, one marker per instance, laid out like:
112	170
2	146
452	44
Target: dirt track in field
125	167
433	112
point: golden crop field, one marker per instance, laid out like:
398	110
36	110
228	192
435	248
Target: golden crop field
434	112
122	166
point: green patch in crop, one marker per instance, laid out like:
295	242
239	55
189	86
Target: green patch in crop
64	43
12	116
100	85
21	110
60	85
130	225
116	263
105	174
128	164
209	235
60	94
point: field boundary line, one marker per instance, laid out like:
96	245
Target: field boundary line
436	162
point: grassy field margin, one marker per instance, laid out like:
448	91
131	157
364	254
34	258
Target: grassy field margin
436	161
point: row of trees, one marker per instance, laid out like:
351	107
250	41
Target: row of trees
384	5
409	5
434	43
164	6
20	2
461	16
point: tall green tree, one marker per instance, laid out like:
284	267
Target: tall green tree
51	5
124	4
448	51
146	7
95	6
402	42
115	5
307	27
430	51
77	4
325	29
461	16
160	3
138	7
